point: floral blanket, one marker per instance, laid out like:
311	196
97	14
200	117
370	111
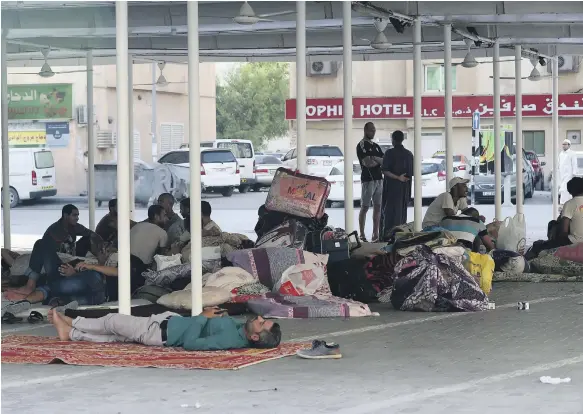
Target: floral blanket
425	281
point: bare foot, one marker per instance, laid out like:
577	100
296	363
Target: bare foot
66	319
62	328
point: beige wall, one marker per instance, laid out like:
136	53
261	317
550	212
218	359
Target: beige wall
171	106
395	78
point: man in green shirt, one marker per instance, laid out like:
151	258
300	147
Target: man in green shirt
209	331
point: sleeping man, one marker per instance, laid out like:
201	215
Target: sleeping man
209	331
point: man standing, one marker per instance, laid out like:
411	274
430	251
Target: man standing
370	156
567	170
398	169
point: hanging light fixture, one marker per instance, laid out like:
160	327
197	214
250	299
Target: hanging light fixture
469	61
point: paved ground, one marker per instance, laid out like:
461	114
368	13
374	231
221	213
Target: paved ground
239	214
396	363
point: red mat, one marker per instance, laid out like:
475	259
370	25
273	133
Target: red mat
17	349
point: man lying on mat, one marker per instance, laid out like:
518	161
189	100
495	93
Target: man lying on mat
209	331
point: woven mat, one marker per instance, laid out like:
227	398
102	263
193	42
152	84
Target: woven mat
18	349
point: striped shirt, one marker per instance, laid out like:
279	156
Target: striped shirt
464	228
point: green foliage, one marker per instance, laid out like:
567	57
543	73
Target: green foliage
251	102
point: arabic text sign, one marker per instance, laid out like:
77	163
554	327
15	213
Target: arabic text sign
40	101
57	134
26	138
434	107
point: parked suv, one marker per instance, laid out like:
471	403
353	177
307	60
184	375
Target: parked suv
319	158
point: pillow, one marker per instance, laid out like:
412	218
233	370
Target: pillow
229	278
268	264
182	299
163	262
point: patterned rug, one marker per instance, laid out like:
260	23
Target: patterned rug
19	349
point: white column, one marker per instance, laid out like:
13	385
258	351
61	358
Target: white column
518	130
131	132
5	148
497	131
123	157
417	117
349	149
448	104
90	142
556	183
154	128
301	84
194	148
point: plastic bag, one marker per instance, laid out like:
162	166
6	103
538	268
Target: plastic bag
481	266
512	234
164	262
303	279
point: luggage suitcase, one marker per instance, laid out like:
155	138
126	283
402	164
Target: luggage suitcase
329	241
291	233
298	194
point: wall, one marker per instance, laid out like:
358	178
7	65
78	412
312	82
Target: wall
171	106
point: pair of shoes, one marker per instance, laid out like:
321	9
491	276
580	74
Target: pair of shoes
320	350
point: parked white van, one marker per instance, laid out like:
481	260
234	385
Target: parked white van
245	155
32	174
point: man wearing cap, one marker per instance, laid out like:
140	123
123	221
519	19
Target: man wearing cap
567	169
449	203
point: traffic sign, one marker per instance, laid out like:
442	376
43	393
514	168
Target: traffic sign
476	121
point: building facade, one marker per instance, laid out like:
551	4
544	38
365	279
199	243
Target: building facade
383	93
38	116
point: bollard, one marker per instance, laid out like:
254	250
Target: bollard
507	191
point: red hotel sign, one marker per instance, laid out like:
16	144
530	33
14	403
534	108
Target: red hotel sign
433	107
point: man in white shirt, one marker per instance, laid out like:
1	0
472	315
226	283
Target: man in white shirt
449	203
567	170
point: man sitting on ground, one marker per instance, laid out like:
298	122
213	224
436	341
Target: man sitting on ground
209	227
447	204
208	331
107	226
148	237
174	224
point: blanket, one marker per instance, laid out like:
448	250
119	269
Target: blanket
274	305
548	263
425	281
228	242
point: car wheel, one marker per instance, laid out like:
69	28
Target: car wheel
256	188
243	189
530	192
228	191
14	198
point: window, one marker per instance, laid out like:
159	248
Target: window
339	169
209	157
267	159
171	137
240	149
435	78
44	159
431	168
176	157
534	141
324	151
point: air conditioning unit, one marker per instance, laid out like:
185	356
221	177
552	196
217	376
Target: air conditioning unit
105	139
82	115
567	63
320	68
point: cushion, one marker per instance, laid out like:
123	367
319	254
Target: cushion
268	264
182	299
229	278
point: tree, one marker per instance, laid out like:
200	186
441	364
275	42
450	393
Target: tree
251	102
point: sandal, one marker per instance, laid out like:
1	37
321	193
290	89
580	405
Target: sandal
9	318
35	317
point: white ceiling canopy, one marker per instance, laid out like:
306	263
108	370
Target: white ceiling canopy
158	30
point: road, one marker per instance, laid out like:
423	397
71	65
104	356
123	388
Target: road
238	214
398	362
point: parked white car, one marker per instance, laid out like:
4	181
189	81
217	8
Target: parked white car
219	171
319	159
336	178
434	178
245	155
265	168
461	164
32	174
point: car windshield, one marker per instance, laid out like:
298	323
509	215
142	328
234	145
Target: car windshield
240	149
429	168
531	156
339	169
209	157
323	151
267	159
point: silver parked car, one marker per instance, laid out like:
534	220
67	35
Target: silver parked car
265	167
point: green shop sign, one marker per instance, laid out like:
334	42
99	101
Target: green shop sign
40	101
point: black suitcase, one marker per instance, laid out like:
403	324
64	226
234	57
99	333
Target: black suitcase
337	249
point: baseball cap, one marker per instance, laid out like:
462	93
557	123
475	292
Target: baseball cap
455	181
